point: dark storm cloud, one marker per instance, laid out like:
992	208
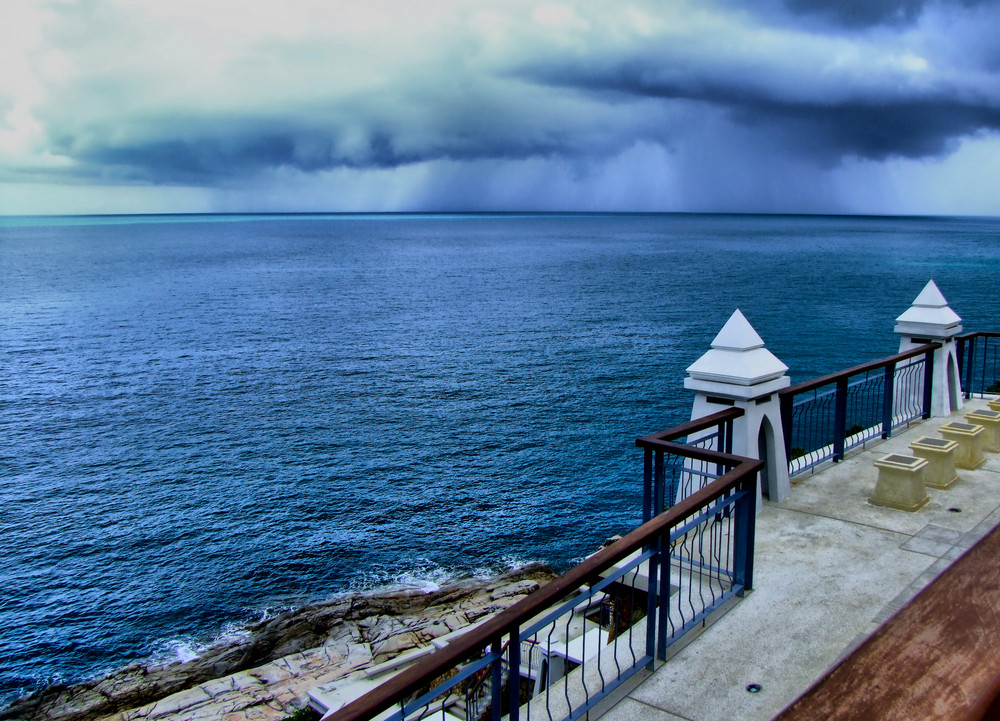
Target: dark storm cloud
246	147
881	123
909	129
861	13
242	150
420	120
672	94
865	13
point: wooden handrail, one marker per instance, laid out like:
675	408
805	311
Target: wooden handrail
979	334
856	370
588	571
685	429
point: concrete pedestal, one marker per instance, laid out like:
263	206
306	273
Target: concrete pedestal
940	457
969	438
738	371
989	420
930	319
900	482
994	405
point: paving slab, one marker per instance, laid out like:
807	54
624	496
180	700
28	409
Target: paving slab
629	709
937	659
781	635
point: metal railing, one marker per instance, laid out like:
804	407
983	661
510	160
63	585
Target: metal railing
824	417
978	356
668	477
562	650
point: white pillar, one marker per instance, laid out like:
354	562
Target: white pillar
930	319
738	371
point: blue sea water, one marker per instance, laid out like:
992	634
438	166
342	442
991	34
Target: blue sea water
202	417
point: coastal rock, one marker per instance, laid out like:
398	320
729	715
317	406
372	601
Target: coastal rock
395	645
383	628
433	630
521	588
265	675
474	614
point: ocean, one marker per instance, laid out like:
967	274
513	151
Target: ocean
204	418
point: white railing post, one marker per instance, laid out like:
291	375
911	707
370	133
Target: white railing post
738	371
930	319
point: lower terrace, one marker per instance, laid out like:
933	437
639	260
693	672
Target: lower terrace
829	569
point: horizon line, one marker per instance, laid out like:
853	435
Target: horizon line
348	213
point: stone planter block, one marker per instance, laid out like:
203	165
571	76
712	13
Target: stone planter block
969	438
900	482
990	420
940	457
995	405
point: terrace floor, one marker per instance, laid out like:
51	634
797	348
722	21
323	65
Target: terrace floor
829	569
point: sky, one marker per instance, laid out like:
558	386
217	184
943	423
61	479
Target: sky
788	106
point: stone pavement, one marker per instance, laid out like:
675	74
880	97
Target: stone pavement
829	568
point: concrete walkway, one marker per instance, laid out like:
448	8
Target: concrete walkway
829	569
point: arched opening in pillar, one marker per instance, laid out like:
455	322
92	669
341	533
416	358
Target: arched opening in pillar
767	477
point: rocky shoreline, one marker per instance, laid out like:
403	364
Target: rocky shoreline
267	674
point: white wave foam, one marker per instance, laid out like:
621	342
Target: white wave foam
507	564
232	633
183	650
429	578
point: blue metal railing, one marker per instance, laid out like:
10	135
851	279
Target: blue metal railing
825	417
979	362
560	651
667	477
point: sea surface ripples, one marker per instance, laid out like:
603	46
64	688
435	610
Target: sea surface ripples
204	418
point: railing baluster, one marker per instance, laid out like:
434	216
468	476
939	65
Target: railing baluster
652	584
960	359
982	377
720	445
746	511
496	680
514	674
659	487
840	419
970	381
993	374
928	383
888	398
647	484
663	595
785	405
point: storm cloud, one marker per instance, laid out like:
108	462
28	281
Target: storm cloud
581	105
865	13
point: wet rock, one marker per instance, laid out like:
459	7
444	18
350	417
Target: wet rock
266	675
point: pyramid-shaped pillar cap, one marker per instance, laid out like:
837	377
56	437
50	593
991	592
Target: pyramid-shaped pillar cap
737	334
929	316
738	365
